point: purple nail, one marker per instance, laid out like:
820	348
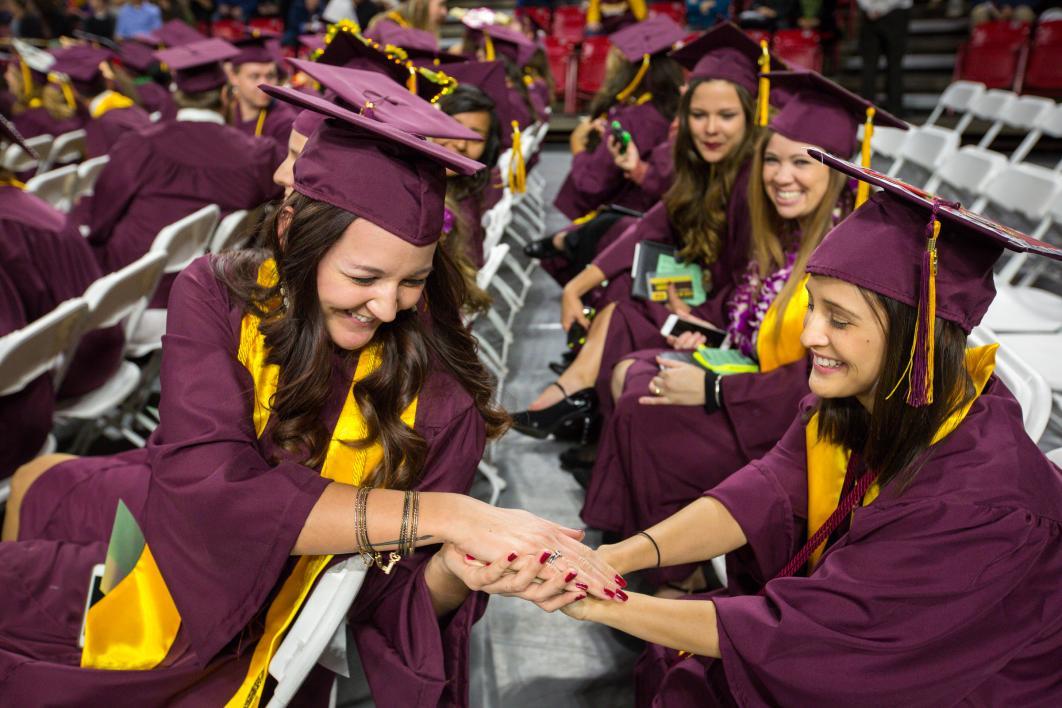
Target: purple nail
582	586
544	557
581	597
621	595
621	582
512	557
609	594
469	558
570	576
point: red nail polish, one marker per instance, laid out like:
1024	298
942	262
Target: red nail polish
544	557
621	595
581	597
568	578
582	586
469	558
609	593
512	557
621	582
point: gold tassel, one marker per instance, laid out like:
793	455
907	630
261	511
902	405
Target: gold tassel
863	191
626	93
64	86
763	102
261	122
27	82
517	168
488	47
411	80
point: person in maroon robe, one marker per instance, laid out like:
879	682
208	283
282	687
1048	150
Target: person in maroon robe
643	472
642	95
150	84
704	216
169	170
905	528
227	511
251	111
40	107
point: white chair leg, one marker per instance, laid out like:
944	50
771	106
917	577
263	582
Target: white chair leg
497	484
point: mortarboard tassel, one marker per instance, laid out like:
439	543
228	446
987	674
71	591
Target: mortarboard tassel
763	99
64	86
920	390
488	47
27	82
517	169
411	80
863	191
630	88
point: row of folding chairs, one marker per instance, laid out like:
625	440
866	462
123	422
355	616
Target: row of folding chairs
62	187
51	150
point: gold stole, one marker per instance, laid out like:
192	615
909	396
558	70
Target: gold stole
109	101
774	351
134	626
827	462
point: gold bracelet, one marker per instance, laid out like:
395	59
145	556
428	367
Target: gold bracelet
413	524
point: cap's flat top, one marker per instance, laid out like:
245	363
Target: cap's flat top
657	34
207	51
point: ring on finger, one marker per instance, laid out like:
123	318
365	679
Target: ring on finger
553	557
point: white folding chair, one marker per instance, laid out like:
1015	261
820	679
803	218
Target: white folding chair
1022	378
18	160
967	170
1027	113
318	634
1056	456
887	142
957	98
182	241
119	297
229	232
496	220
87	174
55	187
487	279
1021	271
991	106
68	147
1023	188
40	346
927	148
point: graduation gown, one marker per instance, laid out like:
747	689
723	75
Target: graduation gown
102	133
221	521
156	98
165	172
594	180
538	93
947	592
25	416
49	262
277	124
37	121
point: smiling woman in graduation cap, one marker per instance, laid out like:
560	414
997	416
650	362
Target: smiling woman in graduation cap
907	525
310	388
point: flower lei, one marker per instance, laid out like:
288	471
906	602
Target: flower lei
751	300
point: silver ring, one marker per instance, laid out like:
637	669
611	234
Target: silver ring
553	557
656	390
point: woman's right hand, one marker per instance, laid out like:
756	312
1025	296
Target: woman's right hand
572	309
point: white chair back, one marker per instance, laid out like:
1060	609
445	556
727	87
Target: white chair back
319	621
496	220
968	170
992	104
491	264
1023	188
927	147
1056	457
39	347
888	141
956	97
87	174
68	147
1026	111
186	239
55	187
1051	121
124	294
229	232
1028	386
18	160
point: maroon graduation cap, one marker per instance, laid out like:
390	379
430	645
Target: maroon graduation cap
256	46
649	37
176	33
725	52
81	64
507	41
197	67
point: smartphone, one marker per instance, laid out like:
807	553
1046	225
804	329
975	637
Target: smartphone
577	333
94	595
684	357
675	325
621	136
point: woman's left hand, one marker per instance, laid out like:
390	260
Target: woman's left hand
550	586
677	384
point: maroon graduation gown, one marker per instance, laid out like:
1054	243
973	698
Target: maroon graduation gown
948	592
277	125
37	121
102	133
50	262
540	97
165	172
594	180
221	522
156	98
25	416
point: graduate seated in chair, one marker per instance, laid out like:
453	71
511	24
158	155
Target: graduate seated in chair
249	109
321	397
39	105
905	529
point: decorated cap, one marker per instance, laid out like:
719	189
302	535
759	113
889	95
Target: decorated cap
360	163
176	33
312	42
390	102
725	52
10	134
255	47
506	41
136	56
81	64
819	112
410	39
654	35
922	251
196	67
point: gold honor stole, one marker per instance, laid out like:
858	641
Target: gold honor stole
786	348
827	462
139	621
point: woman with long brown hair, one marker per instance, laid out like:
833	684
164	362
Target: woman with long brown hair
703	215
904	532
705	425
321	397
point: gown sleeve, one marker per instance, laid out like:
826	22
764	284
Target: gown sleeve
118	184
920	603
220	519
619	255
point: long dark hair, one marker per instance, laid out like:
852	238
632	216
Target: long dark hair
894	438
470	99
697	200
663	81
431	338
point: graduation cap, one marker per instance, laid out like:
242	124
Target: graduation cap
725	52
196	67
643	40
412	40
136	56
913	247
358	90
503	40
80	64
256	46
489	77
176	33
313	42
360	163
10	133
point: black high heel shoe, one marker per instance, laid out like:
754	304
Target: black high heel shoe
542	248
579	406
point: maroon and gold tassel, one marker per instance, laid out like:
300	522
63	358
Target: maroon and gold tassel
920	389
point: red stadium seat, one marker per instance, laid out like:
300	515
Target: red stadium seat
674	10
593	57
227	29
799	48
539	17
569	22
1044	71
995	55
559	55
758	36
269	24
